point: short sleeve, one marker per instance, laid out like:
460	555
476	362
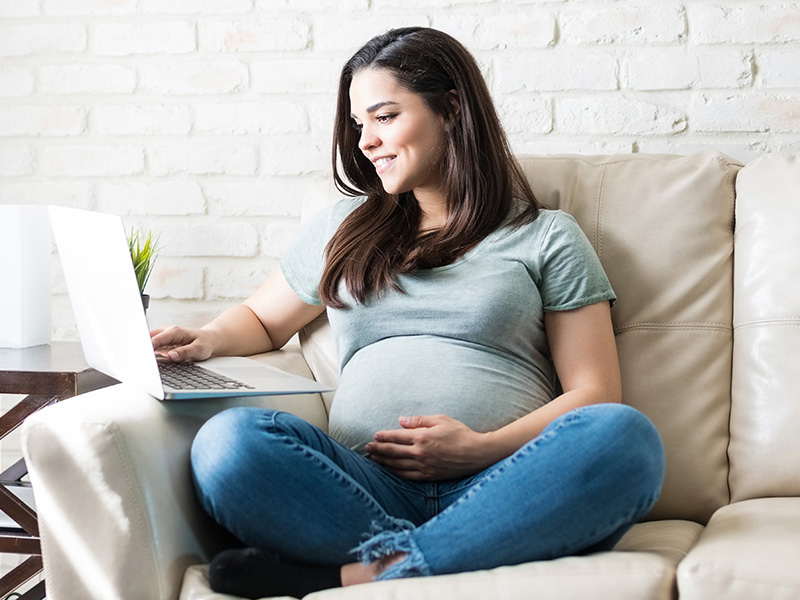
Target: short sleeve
571	273
304	261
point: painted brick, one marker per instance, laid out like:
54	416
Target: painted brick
296	76
320	117
525	115
254	35
194	78
16	160
293	157
16	82
205	238
744	150
334	34
621	24
726	69
273	196
195	7
228	283
43	38
250	118
780	68
277	235
658	70
313	5
654	69
151	198
163	37
567	145
616	115
556	71
423	4
203	159
89	7
91	160
727	113
744	23
63	193
172	280
15	9
41	120
790	144
87	79
747	113
169	312
140	119
532	29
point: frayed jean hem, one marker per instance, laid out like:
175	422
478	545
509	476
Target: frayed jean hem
387	543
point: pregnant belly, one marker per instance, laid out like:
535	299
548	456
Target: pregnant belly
426	375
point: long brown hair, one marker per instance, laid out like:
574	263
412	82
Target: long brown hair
480	176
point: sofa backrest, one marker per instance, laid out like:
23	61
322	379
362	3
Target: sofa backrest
765	411
663	229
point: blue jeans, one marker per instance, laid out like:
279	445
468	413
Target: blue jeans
279	483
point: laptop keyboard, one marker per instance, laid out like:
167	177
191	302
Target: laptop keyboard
191	376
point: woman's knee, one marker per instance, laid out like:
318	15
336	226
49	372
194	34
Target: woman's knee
632	442
224	441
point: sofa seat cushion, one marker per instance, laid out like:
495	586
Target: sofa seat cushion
750	550
642	565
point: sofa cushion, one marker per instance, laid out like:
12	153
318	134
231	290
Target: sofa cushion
749	551
663	229
643	565
319	351
765	413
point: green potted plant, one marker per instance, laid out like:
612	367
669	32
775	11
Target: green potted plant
144	250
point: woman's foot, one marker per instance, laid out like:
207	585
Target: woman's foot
355	573
254	573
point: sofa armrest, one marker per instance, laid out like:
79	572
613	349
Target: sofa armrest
110	471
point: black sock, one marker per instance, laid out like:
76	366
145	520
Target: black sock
254	573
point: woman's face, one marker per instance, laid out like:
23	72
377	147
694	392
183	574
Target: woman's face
400	135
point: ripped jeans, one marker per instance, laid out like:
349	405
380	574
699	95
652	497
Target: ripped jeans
279	483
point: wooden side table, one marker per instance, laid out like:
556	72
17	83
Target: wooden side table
45	374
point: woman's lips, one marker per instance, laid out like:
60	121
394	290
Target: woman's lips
383	163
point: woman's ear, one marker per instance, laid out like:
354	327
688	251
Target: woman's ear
454	104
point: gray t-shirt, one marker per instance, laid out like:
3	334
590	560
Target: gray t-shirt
466	340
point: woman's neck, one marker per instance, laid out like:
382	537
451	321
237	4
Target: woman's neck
433	211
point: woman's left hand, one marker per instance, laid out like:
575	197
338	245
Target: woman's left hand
430	448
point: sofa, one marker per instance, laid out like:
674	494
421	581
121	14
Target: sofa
704	255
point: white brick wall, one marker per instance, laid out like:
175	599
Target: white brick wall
210	120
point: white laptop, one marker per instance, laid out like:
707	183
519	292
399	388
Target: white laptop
113	329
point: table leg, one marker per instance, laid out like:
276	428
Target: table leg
20	574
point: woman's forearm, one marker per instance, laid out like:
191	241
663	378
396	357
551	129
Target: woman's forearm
238	332
503	442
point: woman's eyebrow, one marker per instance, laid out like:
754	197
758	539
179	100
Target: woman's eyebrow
374	107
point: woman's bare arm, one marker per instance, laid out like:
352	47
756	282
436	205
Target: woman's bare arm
263	322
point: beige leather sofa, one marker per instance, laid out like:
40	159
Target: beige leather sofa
705	258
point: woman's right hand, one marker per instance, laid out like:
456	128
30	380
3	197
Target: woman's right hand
180	344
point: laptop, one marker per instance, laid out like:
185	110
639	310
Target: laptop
105	298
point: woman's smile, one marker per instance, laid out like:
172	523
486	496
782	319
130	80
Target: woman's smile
402	137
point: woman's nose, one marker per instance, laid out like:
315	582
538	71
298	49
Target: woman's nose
368	139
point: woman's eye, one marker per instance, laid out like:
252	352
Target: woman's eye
384	118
